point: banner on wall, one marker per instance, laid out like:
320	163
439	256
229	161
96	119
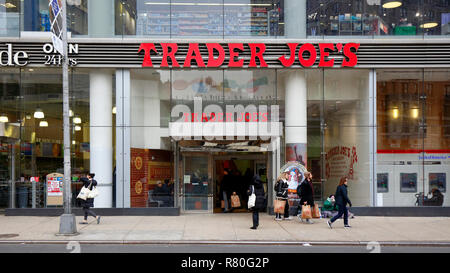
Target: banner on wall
54	189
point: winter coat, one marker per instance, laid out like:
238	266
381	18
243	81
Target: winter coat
328	205
281	189
89	202
341	196
259	192
306	193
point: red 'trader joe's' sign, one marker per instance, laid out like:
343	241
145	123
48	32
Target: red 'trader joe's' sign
216	54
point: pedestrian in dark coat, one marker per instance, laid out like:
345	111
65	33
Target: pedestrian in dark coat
89	182
306	194
342	200
257	188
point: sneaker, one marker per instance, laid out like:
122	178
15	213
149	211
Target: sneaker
253	227
309	221
98	220
278	219
347	226
288	218
329	224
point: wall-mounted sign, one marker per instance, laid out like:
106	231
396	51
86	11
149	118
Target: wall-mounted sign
306	54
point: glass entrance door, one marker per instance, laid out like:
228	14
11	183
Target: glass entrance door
197	184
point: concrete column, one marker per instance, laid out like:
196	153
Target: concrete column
101	149
101	21
295	18
296	108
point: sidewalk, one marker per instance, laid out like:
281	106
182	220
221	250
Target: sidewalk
228	228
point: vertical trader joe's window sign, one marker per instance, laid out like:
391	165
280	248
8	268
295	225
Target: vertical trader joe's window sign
340	162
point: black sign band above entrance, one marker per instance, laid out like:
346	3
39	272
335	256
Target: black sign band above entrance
118	53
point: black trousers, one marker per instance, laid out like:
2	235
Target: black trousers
342	211
255	217
88	211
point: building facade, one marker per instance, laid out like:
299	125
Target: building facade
183	91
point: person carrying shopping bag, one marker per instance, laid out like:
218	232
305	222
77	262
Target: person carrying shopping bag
86	204
281	191
341	201
306	194
257	188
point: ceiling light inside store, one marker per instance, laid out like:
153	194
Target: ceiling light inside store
77	120
114	110
38	113
70	113
389	4
4	118
415	113
77	128
43	123
429	25
395	113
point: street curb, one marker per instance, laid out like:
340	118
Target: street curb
198	242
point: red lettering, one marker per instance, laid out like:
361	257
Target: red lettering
247	117
288	62
186	117
229	117
194	53
352	58
324	54
147	47
313	55
204	117
220	117
264	117
234	54
255	117
169	54
241	118
215	62
255	53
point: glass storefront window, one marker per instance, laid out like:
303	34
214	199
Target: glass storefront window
9	18
377	18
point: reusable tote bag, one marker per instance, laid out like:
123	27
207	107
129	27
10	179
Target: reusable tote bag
306	212
84	193
252	199
93	193
278	205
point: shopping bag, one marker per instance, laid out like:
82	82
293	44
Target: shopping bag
306	212
93	193
84	193
222	204
235	201
278	205
252	199
316	211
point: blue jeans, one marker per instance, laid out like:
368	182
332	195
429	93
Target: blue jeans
255	217
342	211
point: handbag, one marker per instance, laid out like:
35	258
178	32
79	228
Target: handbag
235	201
316	211
306	212
252	199
278	205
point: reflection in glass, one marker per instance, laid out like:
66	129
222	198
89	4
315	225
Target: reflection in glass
9	18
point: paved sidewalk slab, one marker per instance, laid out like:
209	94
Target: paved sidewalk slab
232	227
